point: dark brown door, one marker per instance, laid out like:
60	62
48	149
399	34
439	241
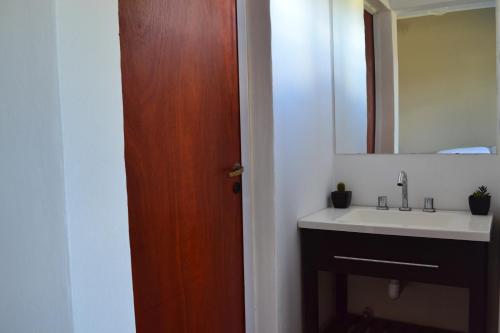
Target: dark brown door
182	138
370	81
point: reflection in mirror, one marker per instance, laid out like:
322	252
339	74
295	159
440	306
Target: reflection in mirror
415	77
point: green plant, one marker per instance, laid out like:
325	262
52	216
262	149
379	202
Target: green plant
482	192
341	187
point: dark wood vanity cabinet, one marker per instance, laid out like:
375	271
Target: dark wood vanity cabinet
435	261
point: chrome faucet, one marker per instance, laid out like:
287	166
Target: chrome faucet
403	182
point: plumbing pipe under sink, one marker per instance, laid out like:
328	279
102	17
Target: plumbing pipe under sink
395	289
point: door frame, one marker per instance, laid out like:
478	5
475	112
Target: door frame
246	160
386	70
371	85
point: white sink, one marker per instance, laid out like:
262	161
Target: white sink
414	219
442	224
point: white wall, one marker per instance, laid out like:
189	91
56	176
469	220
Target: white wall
92	117
303	135
387	82
349	66
302	173
261	168
34	272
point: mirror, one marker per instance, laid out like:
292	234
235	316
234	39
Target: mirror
415	76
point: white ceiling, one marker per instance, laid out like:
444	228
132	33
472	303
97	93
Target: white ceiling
409	8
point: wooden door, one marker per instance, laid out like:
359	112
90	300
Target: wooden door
182	138
370	81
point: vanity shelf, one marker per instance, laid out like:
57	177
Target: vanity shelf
380	326
404	254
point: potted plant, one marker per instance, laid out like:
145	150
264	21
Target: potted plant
479	201
341	198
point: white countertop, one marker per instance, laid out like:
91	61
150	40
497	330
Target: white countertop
456	225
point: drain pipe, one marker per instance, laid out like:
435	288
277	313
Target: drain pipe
395	289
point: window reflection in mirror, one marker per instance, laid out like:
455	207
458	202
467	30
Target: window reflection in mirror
429	83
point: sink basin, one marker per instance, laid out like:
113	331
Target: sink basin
414	219
442	224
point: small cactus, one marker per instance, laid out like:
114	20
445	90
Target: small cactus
341	187
482	192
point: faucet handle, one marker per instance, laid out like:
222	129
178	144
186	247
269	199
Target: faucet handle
382	203
429	205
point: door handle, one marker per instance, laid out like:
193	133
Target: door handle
236	171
